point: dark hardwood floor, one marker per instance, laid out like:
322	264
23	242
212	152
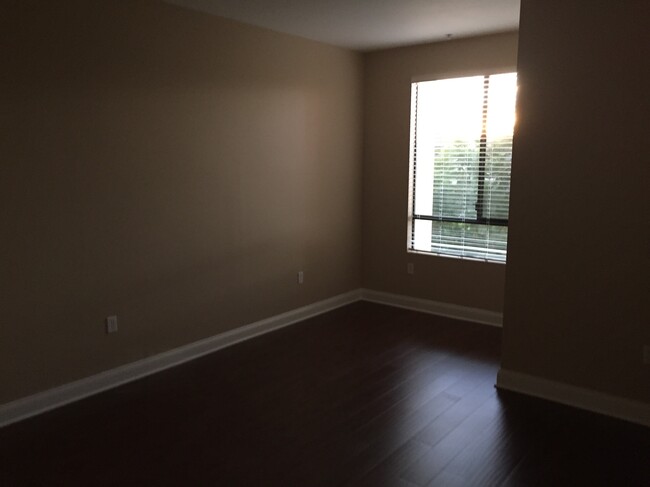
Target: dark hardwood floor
366	395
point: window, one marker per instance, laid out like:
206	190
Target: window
461	152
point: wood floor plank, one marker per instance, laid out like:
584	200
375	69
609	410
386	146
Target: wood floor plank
451	444
487	460
392	466
365	395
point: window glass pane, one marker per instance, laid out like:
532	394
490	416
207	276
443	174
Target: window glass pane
422	235
449	120
500	122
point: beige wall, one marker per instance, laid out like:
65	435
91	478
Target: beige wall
577	288
169	167
387	91
178	169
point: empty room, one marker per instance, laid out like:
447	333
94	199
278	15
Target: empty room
324	243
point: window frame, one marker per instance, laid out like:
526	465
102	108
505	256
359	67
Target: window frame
480	206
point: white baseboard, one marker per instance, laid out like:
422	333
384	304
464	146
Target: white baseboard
464	313
53	398
622	408
597	402
59	396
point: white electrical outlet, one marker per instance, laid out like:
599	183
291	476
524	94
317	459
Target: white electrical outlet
410	269
301	277
111	324
646	354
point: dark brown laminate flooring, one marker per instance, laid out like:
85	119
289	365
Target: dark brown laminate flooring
365	395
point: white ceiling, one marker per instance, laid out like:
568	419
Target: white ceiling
369	24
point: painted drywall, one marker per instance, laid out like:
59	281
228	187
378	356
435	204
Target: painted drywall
387	90
576	306
170	167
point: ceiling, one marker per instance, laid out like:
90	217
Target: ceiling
369	24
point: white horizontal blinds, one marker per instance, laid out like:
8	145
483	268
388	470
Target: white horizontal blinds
461	145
